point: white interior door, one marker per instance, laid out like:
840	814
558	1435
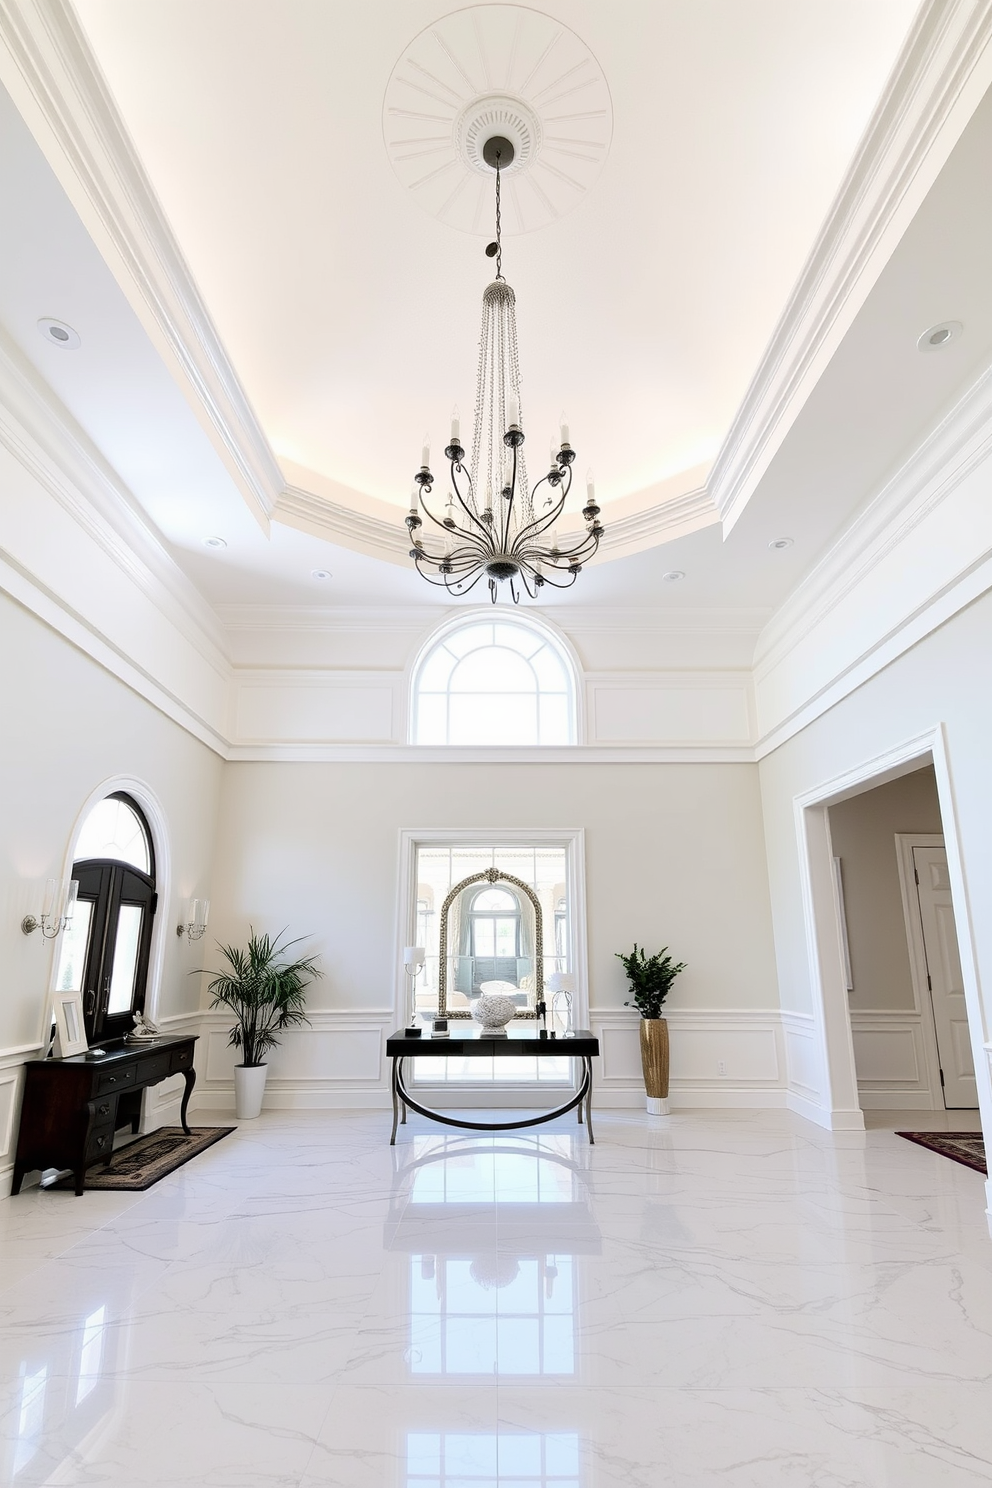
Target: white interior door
943	968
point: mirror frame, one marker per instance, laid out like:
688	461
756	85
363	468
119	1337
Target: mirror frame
493	876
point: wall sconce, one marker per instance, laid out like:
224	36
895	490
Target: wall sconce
195	923
59	903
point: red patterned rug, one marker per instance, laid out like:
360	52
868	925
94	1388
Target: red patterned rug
964	1147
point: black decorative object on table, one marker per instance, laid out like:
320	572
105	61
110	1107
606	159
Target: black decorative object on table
72	1107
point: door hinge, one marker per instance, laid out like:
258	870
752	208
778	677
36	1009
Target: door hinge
942	1079
916	875
929	983
154	903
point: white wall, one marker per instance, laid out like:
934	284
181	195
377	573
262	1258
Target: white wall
939	682
674	855
68	726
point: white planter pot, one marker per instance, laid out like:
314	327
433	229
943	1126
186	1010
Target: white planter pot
249	1087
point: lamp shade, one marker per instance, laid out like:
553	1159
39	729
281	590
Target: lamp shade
561	981
414	956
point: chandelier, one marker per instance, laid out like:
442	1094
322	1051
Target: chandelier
494	525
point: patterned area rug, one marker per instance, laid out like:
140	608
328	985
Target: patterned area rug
143	1162
963	1147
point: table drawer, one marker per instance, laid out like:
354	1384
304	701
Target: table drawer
104	1111
100	1143
182	1059
150	1071
116	1079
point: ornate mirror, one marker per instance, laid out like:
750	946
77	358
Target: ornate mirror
491	940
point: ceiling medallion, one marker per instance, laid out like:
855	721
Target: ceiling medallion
497	70
494	526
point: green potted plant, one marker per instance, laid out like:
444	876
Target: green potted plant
265	991
651	979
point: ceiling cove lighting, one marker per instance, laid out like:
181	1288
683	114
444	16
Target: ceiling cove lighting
494	526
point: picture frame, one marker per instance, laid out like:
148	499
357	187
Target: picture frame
70	1028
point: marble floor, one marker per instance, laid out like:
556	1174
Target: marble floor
715	1298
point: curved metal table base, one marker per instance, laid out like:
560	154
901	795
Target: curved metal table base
402	1097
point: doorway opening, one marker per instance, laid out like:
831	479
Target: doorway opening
824	1075
909	1020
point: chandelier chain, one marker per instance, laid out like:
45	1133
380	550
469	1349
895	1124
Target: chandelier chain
499	225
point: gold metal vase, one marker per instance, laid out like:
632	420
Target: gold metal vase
654	1063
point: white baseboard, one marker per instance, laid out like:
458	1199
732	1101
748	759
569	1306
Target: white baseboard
832	1120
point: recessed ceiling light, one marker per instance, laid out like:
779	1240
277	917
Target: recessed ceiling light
781	542
321	573
673	576
57	333
214	542
940	335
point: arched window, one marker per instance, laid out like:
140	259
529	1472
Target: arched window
104	953
494	682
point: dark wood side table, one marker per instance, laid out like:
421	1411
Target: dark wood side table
478	1044
72	1107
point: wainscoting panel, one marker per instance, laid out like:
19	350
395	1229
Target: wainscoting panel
891	1061
801	1059
719	1058
336	1063
10	1080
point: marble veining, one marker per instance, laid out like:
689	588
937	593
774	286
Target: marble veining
707	1299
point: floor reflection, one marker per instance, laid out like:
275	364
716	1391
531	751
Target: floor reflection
493	1228
524	1459
64	1390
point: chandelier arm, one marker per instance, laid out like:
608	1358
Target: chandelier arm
443	582
582	548
463	532
467	589
539	525
567	585
482	526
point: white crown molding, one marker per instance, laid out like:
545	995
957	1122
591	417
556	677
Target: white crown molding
42	436
943	70
950	452
572	619
415	754
48	67
960	443
363	532
52	609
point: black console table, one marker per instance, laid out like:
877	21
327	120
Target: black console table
72	1107
476	1043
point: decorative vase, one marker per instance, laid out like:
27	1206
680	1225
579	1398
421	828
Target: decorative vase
654	1063
494	1011
249	1088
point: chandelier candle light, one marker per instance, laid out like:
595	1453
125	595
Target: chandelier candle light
494	525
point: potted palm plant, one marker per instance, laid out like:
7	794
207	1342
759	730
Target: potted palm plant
265	991
651	979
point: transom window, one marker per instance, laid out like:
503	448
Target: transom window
494	682
104	951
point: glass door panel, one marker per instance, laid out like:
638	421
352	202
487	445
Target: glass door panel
125	962
72	953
